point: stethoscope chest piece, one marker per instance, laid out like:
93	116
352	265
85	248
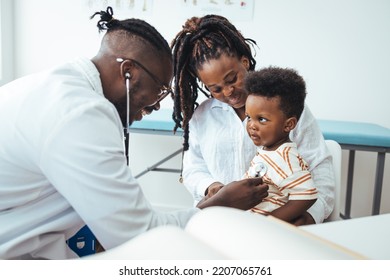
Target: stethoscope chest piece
260	168
257	169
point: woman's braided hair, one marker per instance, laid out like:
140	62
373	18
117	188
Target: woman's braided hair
200	40
133	26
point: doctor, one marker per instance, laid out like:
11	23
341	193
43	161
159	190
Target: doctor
62	154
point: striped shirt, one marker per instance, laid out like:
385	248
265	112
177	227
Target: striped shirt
286	174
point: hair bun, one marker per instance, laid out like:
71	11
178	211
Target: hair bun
106	18
192	25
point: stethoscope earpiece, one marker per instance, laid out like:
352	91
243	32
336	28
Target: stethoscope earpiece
126	129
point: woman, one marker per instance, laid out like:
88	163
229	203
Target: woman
211	51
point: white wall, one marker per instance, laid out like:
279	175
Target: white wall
6	36
341	47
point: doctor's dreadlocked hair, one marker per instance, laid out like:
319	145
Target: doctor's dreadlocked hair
139	31
133	26
200	40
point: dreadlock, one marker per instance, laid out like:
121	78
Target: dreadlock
200	40
133	26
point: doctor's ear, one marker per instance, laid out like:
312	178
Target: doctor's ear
125	68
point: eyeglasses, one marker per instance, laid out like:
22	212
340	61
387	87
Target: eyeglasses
164	90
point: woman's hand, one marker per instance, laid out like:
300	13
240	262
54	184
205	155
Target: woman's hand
243	194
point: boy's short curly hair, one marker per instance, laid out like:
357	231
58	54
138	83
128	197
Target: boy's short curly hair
283	82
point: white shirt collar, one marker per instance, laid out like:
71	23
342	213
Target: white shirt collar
91	73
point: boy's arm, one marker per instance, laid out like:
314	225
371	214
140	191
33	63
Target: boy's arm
292	210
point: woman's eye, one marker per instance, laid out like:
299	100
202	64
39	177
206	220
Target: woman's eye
216	89
232	81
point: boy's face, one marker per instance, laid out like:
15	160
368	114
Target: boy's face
267	124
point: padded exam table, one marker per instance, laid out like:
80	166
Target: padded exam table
356	136
352	136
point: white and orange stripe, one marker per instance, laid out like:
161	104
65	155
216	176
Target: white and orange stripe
287	176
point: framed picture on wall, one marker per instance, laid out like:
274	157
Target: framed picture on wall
234	10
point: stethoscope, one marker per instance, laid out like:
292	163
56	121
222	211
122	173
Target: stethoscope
126	128
258	169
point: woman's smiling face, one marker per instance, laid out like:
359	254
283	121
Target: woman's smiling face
224	78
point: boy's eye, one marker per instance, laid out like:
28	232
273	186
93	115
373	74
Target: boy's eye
262	119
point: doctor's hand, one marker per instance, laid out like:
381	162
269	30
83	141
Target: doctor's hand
243	194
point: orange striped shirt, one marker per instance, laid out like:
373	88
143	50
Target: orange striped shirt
287	176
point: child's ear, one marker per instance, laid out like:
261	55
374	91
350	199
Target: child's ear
290	124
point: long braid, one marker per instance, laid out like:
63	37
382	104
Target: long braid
133	26
200	40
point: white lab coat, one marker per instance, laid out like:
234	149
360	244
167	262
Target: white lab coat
221	150
62	165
